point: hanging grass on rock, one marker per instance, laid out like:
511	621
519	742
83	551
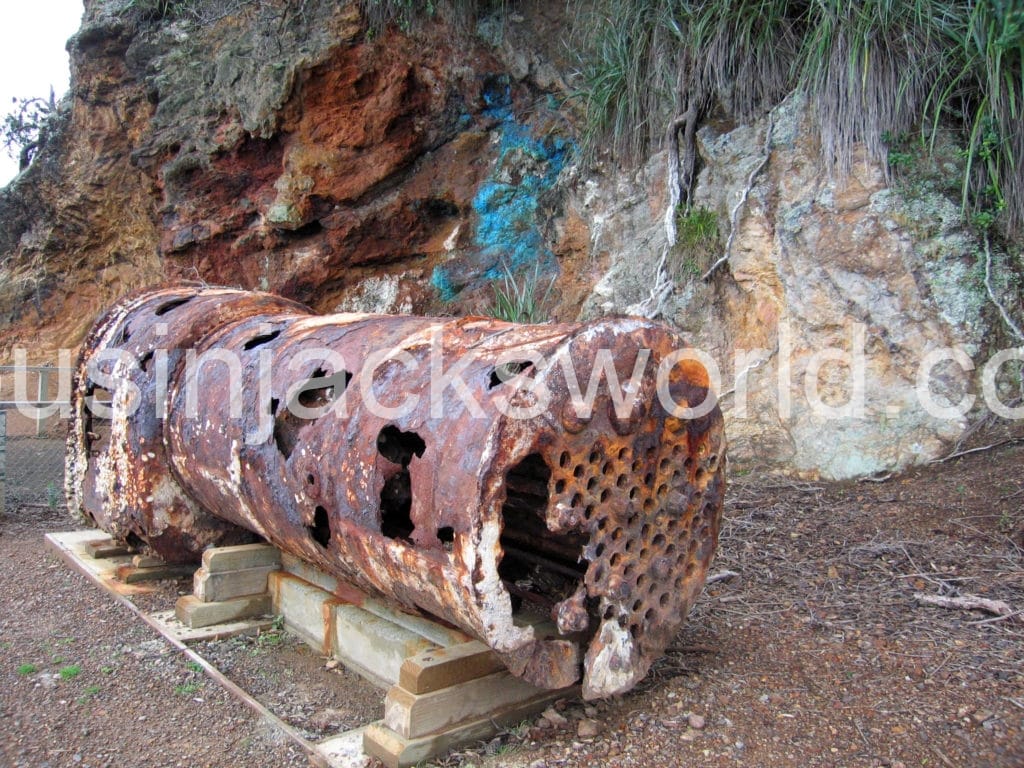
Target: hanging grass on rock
868	67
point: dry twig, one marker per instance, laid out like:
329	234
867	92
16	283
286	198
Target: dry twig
965	603
721	576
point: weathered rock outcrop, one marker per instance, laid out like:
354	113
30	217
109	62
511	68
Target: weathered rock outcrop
824	276
289	147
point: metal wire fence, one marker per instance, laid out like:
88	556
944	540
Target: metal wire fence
32	434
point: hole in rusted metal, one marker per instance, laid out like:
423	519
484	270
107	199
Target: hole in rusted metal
539	568
166	307
260	340
446	534
286	431
320	530
146	361
507	371
318	391
398	447
323	389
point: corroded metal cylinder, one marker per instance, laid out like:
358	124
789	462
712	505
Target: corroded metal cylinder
554	490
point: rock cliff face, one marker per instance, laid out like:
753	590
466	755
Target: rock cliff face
289	147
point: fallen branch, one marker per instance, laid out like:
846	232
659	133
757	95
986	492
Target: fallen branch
966	603
734	217
979	449
721	576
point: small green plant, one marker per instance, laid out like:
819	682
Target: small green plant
88	693
697	227
1005	523
25	127
52	496
187	689
156	9
521	301
107	670
27	669
194	667
70	672
697	239
899	153
269	639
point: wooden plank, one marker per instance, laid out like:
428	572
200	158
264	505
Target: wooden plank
214	587
70	546
436	669
396	751
240	557
105	548
413	715
194	613
146	561
187	634
129	574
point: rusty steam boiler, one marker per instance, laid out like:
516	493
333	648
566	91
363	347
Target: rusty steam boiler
468	469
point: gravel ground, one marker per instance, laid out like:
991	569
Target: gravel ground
84	683
815	654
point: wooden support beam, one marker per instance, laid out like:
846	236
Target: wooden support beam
241	557
194	613
413	715
396	751
225	585
443	667
104	548
130	574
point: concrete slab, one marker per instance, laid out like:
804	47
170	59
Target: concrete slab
373	646
305	607
345	750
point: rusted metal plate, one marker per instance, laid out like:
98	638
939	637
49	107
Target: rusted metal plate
471	469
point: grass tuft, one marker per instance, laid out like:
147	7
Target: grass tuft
70	672
868	68
521	300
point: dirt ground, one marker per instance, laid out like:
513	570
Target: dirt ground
816	653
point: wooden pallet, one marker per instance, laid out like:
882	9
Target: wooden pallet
442	688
